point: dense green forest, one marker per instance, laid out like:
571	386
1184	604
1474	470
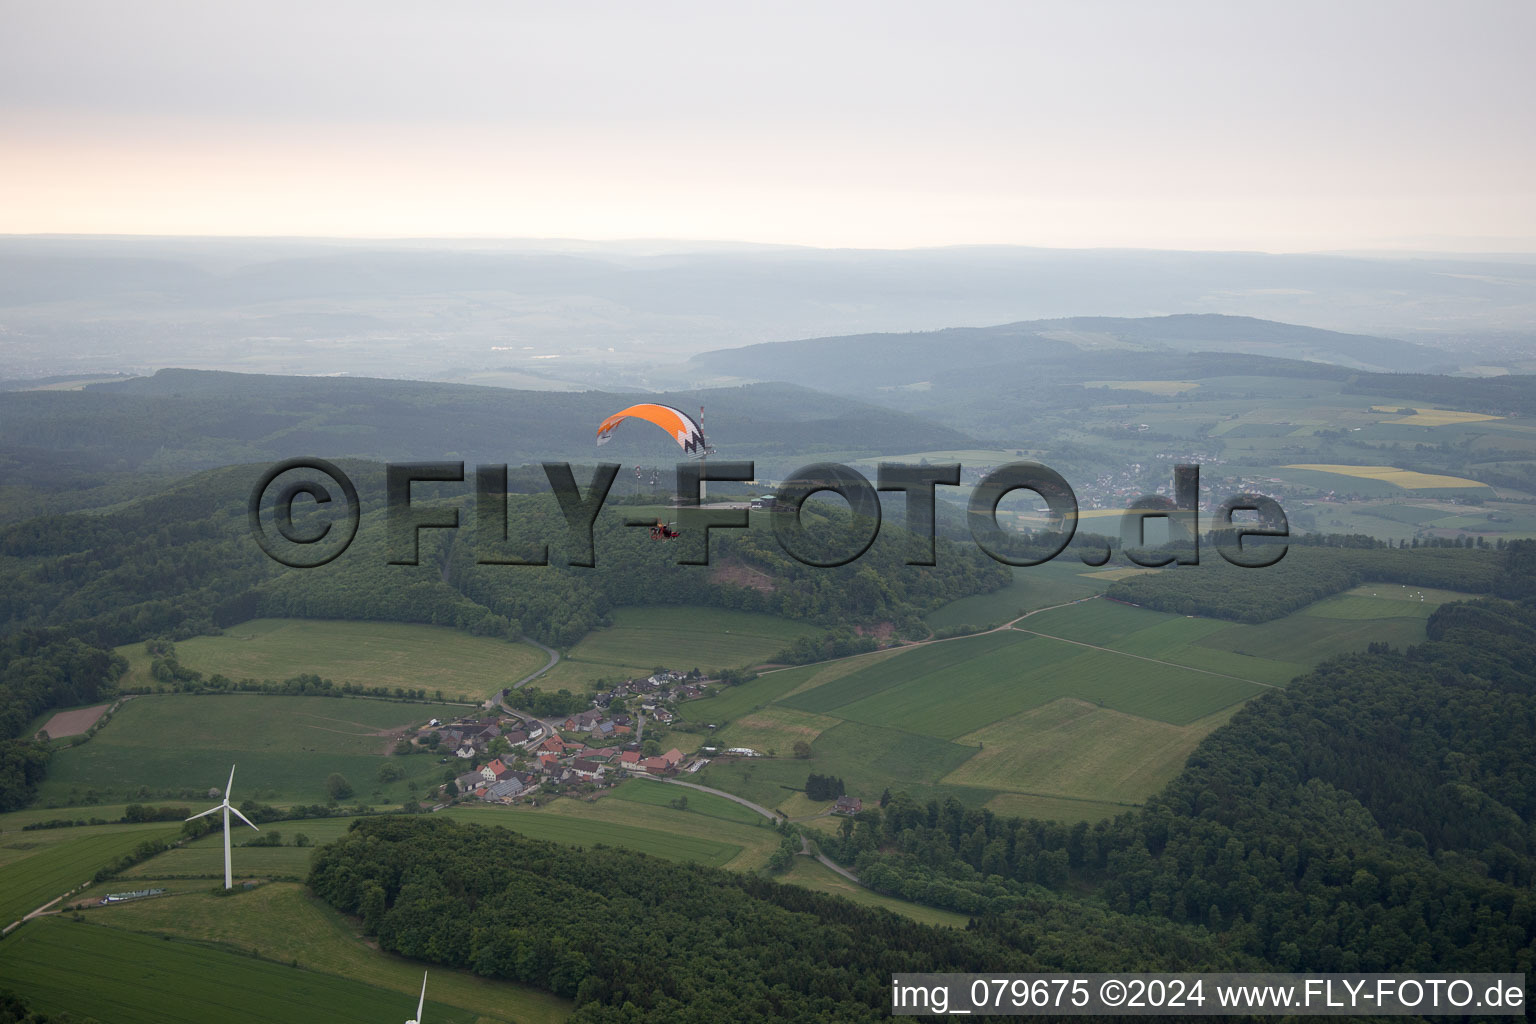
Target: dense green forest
633	939
126	438
14	1010
182	562
42	669
1373	816
748	572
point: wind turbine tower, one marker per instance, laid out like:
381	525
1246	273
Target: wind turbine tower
229	882
421	1002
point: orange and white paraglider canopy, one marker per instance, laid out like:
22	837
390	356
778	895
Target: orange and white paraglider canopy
684	429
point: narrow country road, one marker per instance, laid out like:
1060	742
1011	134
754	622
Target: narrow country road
554	656
924	643
759	808
805	846
501	698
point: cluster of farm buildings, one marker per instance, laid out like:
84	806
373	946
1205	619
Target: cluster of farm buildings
596	746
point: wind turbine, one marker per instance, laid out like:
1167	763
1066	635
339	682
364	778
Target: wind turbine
421	1002
228	878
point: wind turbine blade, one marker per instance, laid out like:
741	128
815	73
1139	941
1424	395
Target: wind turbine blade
228	785
205	814
420	1003
236	812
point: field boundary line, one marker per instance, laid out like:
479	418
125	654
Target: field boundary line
913	644
1143	657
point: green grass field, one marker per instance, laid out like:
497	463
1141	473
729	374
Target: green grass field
947	658
1036	586
1078	751
1310	640
284	922
204	858
654	794
774	730
684	638
955	687
371	653
736	701
130	978
867	758
285	748
37	866
560	824
1079	711
1098	622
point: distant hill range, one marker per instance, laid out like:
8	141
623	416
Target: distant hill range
180	421
541	314
1084	348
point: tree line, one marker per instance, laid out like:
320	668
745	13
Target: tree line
634	939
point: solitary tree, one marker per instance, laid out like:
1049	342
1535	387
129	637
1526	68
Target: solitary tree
338	786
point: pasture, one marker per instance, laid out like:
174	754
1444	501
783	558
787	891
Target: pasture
735	701
643	828
1052	808
773	730
1373	612
178	746
1058	581
658	794
37	866
1069	748
204	857
955	687
130	978
1075	713
283	922
390	654
677	637
867	758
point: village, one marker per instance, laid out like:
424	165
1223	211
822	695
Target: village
511	756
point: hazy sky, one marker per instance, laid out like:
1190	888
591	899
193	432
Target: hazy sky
1388	124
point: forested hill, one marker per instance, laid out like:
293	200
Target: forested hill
185	420
635	940
1081	347
184	562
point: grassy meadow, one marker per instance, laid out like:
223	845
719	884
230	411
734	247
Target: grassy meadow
682	637
1075	713
131	978
391	654
284	747
37	866
281	921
